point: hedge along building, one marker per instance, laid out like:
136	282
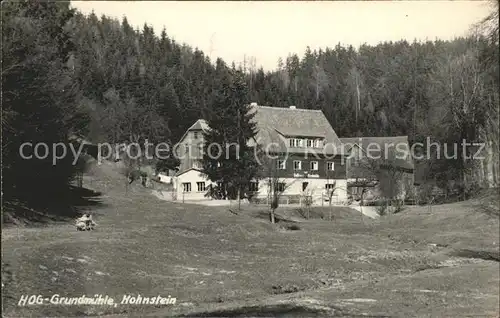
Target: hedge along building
305	154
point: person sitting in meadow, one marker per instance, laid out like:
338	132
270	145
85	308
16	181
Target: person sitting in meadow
85	223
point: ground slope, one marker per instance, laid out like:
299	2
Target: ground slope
438	263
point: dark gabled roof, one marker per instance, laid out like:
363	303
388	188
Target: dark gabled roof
275	124
200	124
395	150
187	163
189	169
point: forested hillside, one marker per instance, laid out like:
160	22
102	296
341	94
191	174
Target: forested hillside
388	89
65	73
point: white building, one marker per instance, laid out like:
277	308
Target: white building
311	158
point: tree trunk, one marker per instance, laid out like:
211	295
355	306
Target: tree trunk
271	216
330	212
317	89
239	198
358	104
464	178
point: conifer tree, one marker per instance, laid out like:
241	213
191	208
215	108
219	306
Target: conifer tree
228	159
39	102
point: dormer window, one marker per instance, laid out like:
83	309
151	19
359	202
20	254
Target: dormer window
195	135
309	143
296	142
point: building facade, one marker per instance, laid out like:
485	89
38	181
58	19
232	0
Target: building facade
307	154
378	167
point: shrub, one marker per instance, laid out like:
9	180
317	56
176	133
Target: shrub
398	205
251	196
382	207
293	227
133	175
215	193
472	190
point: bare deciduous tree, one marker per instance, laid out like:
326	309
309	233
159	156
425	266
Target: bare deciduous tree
330	192
307	201
276	185
381	174
464	112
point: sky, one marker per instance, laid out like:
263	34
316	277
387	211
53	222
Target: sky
269	30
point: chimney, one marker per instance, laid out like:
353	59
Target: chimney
253	104
293	107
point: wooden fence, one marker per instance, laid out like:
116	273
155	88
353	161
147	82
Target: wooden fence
318	200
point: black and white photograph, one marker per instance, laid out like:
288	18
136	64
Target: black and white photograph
250	158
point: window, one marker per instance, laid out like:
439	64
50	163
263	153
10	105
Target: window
357	190
313	166
304	185
186	147
295	142
297	165
330	166
353	191
253	186
281	164
317	143
201	186
310	143
280	187
186	186
195	135
200	151
330	186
